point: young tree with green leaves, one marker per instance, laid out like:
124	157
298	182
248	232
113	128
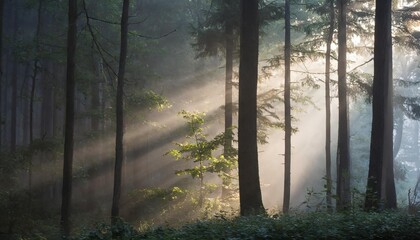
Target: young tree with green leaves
200	151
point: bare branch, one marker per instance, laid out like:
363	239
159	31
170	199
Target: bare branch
151	37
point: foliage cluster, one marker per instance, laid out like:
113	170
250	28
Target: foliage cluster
201	152
318	225
173	206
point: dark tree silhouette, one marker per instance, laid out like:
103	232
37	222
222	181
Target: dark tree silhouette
249	182
380	186
1	66
32	93
119	147
69	119
14	79
287	110
330	35
343	154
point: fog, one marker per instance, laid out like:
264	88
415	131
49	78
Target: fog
164	58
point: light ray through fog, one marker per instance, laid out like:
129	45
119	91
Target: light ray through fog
206	95
149	140
308	156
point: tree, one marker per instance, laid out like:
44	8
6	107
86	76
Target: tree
69	119
14	80
201	151
32	93
219	33
119	146
380	184
330	35
249	182
230	45
1	67
343	155
287	110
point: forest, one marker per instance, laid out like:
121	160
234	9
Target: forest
209	119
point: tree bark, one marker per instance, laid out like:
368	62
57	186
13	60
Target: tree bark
119	147
32	92
1	69
13	117
249	182
14	79
287	111
380	190
330	35
69	120
343	154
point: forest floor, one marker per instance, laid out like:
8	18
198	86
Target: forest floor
315	225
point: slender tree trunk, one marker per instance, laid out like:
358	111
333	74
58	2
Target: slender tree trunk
343	154
249	181
228	102
13	116
14	80
287	110
328	106
119	148
1	69
380	185
32	94
69	120
398	133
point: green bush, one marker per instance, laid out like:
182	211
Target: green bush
316	225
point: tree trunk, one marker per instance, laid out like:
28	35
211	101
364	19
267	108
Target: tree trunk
69	120
398	133
343	154
249	182
32	92
1	68
380	186
328	106
287	110
228	103
13	117
14	80
119	148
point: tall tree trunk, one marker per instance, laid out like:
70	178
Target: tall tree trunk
1	69
330	35
227	152
14	80
32	93
287	110
13	116
69	120
119	148
249	181
380	185
343	154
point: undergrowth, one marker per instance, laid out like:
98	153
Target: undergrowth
316	225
